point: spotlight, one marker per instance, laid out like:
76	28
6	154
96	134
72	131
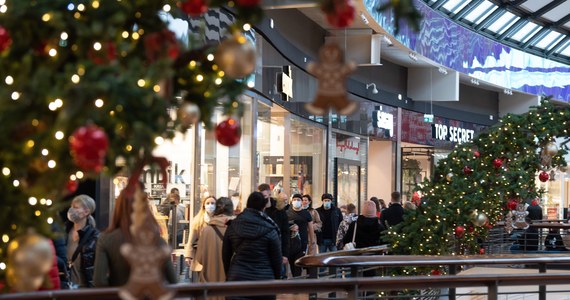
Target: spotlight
373	85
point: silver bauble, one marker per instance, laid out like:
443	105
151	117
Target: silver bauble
480	219
236	56
30	257
449	177
188	114
551	149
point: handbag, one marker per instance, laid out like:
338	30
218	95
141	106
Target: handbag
351	245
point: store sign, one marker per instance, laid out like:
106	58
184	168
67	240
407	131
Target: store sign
383	120
451	133
348	145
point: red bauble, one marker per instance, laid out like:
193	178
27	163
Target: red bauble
459	231
497	162
467	170
5	39
534	202
477	154
512	204
435	272
543	176
194	8
470	229
72	186
88	146
482	251
228	132
342	15
248	2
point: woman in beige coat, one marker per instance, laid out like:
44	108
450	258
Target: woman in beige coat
209	250
200	221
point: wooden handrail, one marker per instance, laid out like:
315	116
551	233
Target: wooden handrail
312	286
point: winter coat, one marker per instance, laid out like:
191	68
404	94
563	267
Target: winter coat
333	222
111	267
392	215
343	228
279	216
368	232
252	248
88	236
209	250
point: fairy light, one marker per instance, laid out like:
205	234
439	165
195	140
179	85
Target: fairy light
75	78
63	36
5	238
97	46
218	81
49	202
80	7
141	83
9	80
156	88
45	152
72	177
3	9
37	213
125	34
246	27
159	140
49	220
210	57
95	4
135	36
32	201
99	103
166	8
46	17
51	164
6	171
43	201
79	174
59	135
15	96
129	148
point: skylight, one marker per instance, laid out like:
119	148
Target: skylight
548	39
525	32
503	22
481	12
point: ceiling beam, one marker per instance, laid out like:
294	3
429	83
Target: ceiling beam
437	4
467	9
515	27
539	35
557	46
491	18
548	7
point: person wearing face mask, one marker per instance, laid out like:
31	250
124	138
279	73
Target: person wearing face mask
200	221
302	232
276	210
81	239
317	224
331	217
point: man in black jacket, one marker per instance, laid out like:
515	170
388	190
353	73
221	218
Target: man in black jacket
394	214
279	216
331	216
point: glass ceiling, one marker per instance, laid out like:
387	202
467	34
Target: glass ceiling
541	27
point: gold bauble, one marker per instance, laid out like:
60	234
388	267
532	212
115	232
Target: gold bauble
236	56
449	177
551	149
30	257
480	219
188	114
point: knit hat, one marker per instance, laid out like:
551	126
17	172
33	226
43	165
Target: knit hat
369	209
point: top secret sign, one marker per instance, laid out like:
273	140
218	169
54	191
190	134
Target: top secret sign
451	133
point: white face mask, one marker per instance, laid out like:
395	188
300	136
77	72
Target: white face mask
297	204
210	208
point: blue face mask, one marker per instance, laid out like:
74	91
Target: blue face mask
327	205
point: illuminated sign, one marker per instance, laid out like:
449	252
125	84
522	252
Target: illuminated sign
451	133
383	120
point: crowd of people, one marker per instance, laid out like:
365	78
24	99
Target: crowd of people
262	241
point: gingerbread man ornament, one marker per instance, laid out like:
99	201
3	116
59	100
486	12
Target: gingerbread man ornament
331	72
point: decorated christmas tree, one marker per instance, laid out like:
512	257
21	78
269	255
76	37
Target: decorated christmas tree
481	181
91	86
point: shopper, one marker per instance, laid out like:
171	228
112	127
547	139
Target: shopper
302	232
81	238
111	268
331	218
394	214
200	221
209	250
377	203
343	227
252	249
277	212
317	224
177	209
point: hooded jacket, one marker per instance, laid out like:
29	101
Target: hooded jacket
252	248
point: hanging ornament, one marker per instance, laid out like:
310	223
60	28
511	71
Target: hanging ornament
194	8
477	154
435	272
331	72
467	170
534	202
543	176
512	204
88	146
188	114
5	39
228	132
459	231
497	163
236	56
520	217
482	251
480	219
449	177
103	56
551	149
71	186
30	257
509	222
340	13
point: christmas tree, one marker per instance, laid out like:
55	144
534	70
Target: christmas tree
481	181
88	86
